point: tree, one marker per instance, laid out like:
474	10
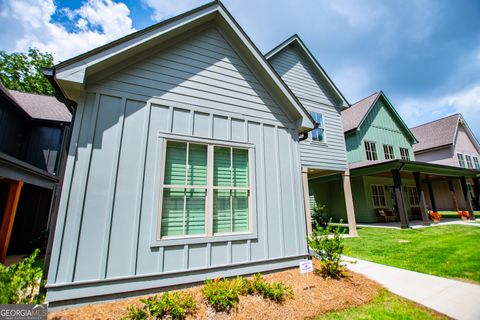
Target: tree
22	71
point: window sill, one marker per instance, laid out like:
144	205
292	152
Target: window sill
318	143
202	239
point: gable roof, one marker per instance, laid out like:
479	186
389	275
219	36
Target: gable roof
37	106
42	107
295	41
72	75
353	117
441	133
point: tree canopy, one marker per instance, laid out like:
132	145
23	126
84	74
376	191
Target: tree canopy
22	71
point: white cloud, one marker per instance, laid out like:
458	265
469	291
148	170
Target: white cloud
355	82
96	21
163	9
466	102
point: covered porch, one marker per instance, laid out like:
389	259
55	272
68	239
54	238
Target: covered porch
414	189
335	180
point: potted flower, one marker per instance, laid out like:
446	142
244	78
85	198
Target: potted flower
435	216
464	214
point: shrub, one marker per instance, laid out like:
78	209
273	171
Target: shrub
329	245
222	294
174	305
275	291
22	282
319	216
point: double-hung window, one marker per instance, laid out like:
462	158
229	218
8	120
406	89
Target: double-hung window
371	150
469	161
461	161
388	152
475	161
404	154
378	194
413	196
205	190
318	134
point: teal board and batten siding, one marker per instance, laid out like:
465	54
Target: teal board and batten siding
310	90
381	127
105	241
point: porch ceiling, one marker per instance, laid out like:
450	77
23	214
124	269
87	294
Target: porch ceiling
428	170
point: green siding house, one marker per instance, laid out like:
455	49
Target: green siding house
388	184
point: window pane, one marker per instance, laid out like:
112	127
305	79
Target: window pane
240	168
221	211
195	211
197	165
175	163
240	210
221	166
172	212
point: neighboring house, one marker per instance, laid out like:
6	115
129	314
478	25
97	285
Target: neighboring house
388	182
323	152
32	130
449	141
184	162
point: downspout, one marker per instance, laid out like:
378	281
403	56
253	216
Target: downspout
49	73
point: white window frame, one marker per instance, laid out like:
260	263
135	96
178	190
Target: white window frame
404	154
468	161
476	162
208	236
321	126
378	196
412	194
390	152
461	160
372	151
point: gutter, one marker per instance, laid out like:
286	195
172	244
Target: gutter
49	73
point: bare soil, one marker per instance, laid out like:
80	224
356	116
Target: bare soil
313	295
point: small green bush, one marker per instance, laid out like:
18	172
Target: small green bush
22	282
275	291
174	305
329	245
223	294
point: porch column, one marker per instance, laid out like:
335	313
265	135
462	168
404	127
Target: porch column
347	190
421	198
453	195
476	191
432	196
399	198
9	217
306	199
467	197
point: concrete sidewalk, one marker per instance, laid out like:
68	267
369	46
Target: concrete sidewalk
456	299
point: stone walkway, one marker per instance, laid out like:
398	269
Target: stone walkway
456	299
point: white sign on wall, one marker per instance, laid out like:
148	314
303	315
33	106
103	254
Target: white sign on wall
306	266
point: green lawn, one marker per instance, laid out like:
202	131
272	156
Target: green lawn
385	306
449	251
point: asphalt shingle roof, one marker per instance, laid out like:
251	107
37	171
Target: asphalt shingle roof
352	116
41	107
436	134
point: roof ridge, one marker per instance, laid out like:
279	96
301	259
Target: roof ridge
32	93
430	122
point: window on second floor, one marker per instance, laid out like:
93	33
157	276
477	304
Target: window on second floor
371	150
404	154
475	161
388	152
469	161
461	161
318	134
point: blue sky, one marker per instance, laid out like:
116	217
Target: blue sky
425	55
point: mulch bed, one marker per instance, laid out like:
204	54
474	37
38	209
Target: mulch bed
313	296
